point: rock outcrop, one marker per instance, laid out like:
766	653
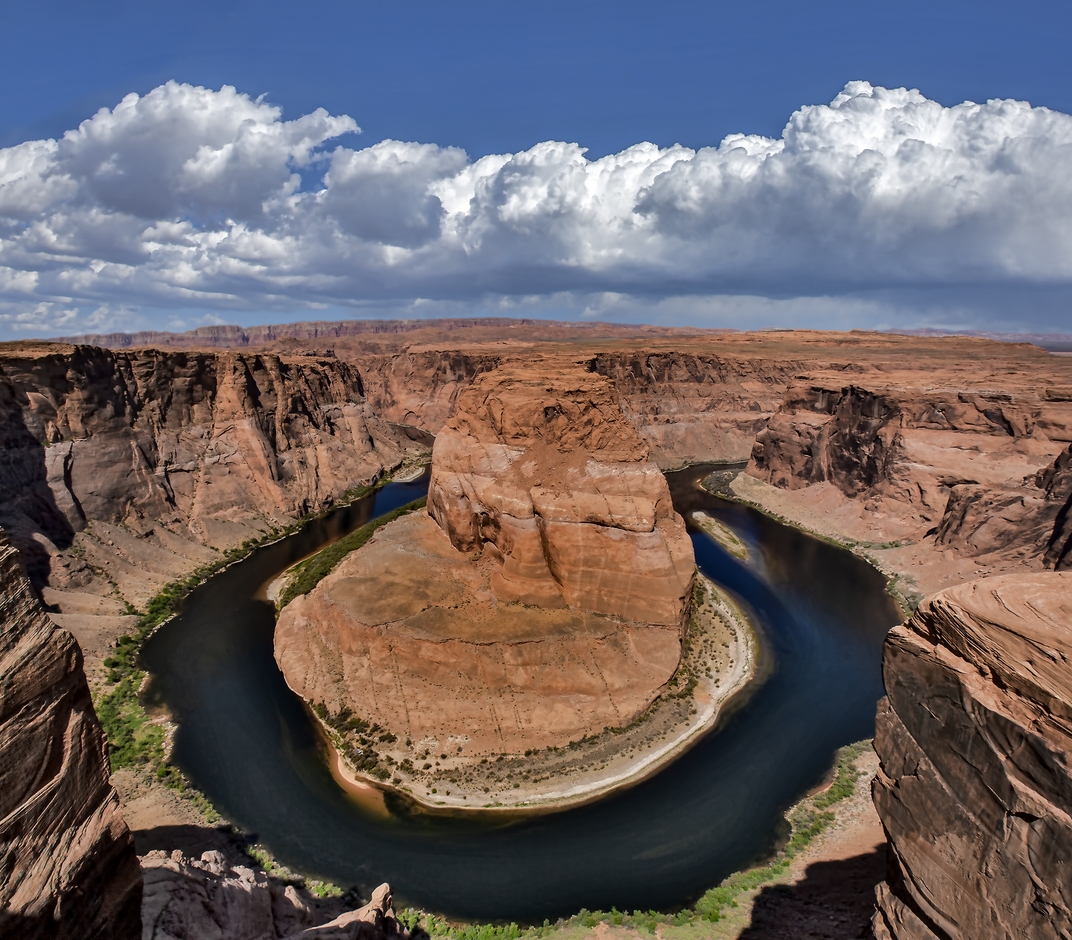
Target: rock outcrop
979	469
547	604
975	784
544	470
196	899
67	863
1035	516
215	447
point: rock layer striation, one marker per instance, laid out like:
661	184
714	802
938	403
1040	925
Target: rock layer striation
213	446
547	604
68	868
982	470
975	784
546	473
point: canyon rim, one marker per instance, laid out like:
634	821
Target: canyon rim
940	459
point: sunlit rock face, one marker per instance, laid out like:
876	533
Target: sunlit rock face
540	468
542	599
67	863
987	471
975	784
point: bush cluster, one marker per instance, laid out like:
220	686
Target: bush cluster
312	571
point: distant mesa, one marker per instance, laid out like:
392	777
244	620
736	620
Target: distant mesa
542	598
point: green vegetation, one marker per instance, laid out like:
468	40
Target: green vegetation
356	739
844	778
135	740
261	856
810	818
313	570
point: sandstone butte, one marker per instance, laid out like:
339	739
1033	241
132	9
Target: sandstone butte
975	784
542	598
67	862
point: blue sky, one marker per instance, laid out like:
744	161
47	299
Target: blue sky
503	78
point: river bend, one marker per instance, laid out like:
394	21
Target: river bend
247	742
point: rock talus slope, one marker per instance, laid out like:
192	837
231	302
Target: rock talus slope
548	474
975	784
68	868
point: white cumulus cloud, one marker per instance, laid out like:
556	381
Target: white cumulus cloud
189	199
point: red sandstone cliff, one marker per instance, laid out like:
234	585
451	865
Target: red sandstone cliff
67	863
543	468
695	407
979	469
975	741
214	446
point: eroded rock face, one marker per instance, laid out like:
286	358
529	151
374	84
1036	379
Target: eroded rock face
196	899
695	408
975	785
407	633
980	470
67	863
215	445
541	468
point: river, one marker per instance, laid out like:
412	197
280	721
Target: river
247	742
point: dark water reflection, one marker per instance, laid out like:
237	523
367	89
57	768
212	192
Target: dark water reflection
246	741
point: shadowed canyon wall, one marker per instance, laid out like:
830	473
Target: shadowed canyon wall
213	446
984	471
67	863
975	742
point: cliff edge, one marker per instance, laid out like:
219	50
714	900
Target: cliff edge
975	784
68	868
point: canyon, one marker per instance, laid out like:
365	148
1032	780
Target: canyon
942	459
122	472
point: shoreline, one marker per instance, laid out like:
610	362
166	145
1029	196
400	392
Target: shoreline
750	493
710	698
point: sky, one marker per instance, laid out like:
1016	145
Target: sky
767	164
